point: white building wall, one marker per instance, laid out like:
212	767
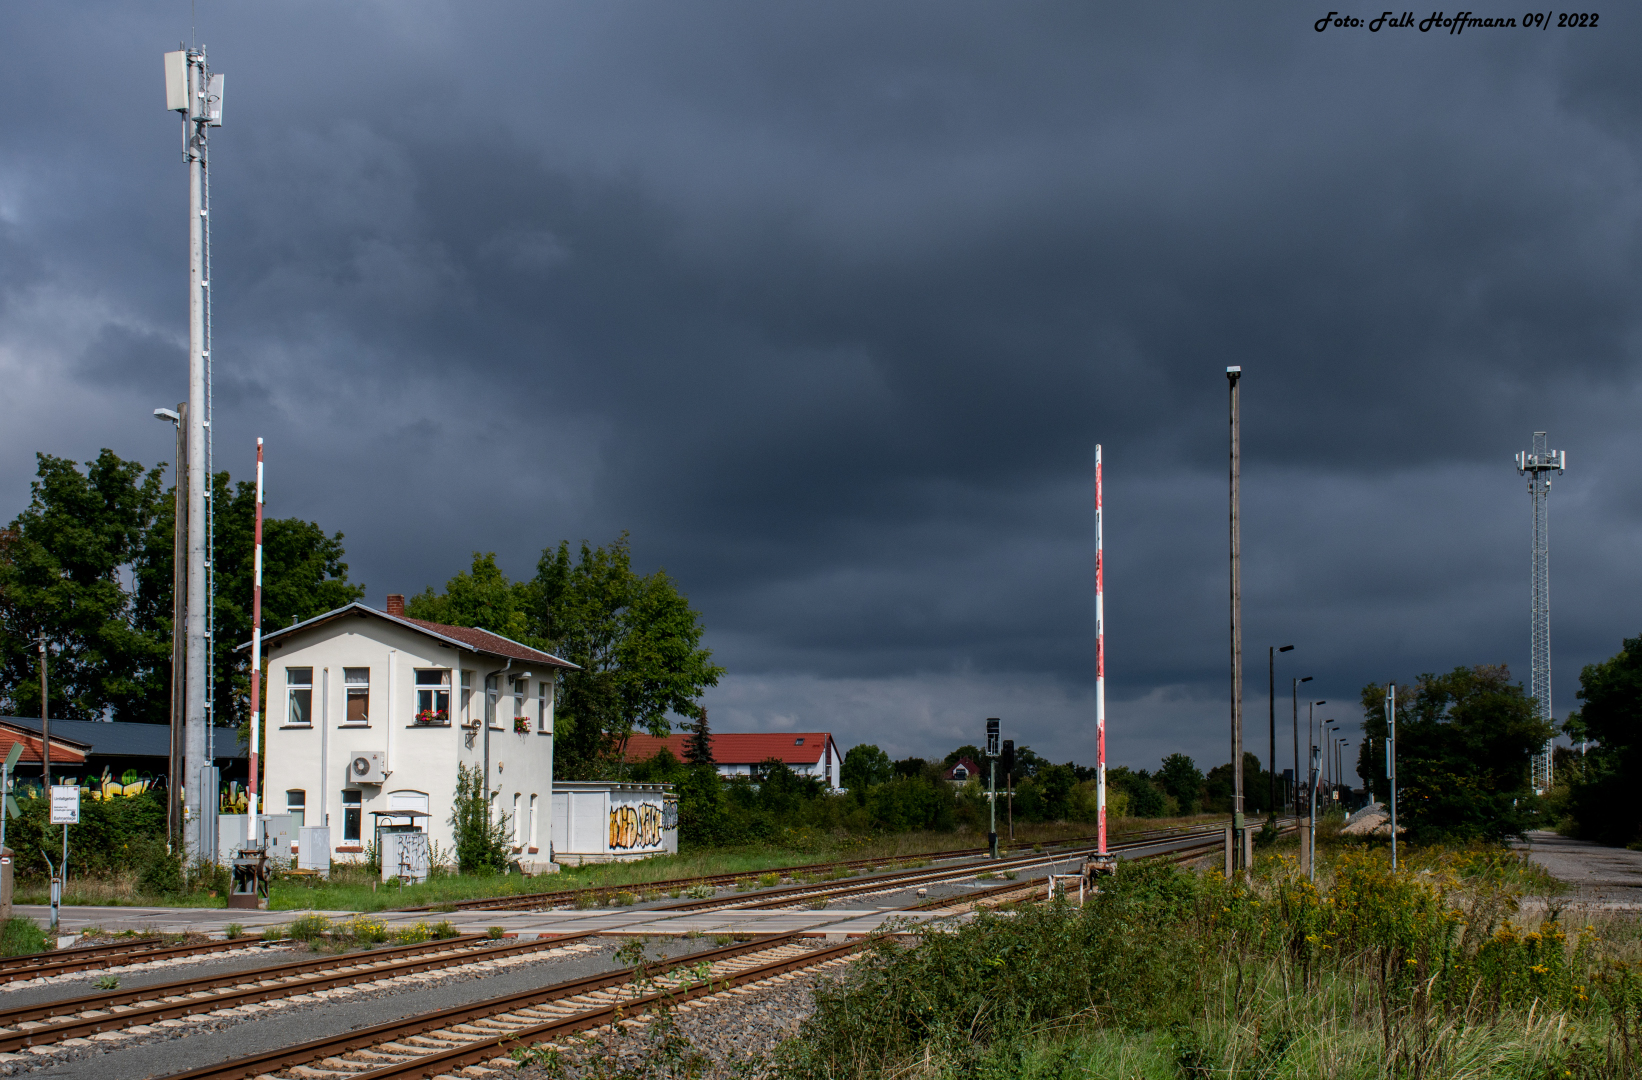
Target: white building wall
419	759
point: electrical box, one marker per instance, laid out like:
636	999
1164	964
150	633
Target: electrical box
213	101
176	81
365	767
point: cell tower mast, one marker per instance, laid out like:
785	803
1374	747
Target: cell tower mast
192	90
1538	464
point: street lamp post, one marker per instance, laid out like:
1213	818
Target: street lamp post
1271	699
1295	688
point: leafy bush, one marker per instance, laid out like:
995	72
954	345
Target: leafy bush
22	937
310	927
482	845
443	929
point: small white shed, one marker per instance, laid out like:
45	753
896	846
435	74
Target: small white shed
612	822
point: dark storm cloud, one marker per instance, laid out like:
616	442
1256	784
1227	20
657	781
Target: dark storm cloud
829	306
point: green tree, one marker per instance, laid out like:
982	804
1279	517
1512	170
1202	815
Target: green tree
865	766
1180	778
62	561
90	561
1601	802
636	641
481	597
973	753
1464	743
1145	800
1220	786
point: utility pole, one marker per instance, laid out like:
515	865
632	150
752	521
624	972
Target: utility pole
192	90
992	791
1295	688
1233	374
179	620
1271	701
1100	665
1009	784
1537	465
45	718
1391	762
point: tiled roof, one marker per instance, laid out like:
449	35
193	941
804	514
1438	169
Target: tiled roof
110	740
793	747
64	750
973	769
467	637
495	644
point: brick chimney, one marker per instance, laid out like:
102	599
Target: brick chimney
396	604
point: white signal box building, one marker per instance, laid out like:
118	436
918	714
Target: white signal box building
369	713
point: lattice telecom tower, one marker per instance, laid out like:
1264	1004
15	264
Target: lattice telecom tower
1538	464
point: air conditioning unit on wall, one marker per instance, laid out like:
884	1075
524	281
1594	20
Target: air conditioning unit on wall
365	767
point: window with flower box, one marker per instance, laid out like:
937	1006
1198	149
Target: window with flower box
433	697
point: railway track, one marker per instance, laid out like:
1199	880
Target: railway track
446	1042
450	1040
93	957
536	901
96	1014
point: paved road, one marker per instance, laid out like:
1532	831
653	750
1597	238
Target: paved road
1604	878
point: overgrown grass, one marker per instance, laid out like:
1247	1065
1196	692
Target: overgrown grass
22	937
1435	972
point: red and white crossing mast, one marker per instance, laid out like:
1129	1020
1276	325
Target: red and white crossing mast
1100	661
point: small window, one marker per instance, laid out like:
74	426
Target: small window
544	707
353	812
520	689
296	804
299	692
358	680
467	696
432	696
491	691
798	741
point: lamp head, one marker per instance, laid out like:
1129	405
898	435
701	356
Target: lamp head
1286	648
168	414
1306	679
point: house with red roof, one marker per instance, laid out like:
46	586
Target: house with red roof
807	753
369	713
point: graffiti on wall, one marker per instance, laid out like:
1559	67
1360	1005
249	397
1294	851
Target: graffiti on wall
635	827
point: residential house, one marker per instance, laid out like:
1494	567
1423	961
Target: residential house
959	772
370	712
807	753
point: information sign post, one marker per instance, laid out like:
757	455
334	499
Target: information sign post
65	811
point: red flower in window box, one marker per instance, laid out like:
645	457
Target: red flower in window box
521	725
431	716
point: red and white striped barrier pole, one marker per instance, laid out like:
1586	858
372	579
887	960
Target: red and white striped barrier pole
1100	661
252	836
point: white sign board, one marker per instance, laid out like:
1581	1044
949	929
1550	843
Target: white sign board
65	805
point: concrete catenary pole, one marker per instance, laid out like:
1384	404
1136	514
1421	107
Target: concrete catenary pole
179	639
1100	658
252	837
1233	375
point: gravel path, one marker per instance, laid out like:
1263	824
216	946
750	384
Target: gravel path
1604	878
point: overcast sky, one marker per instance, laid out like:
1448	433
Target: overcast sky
829	304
